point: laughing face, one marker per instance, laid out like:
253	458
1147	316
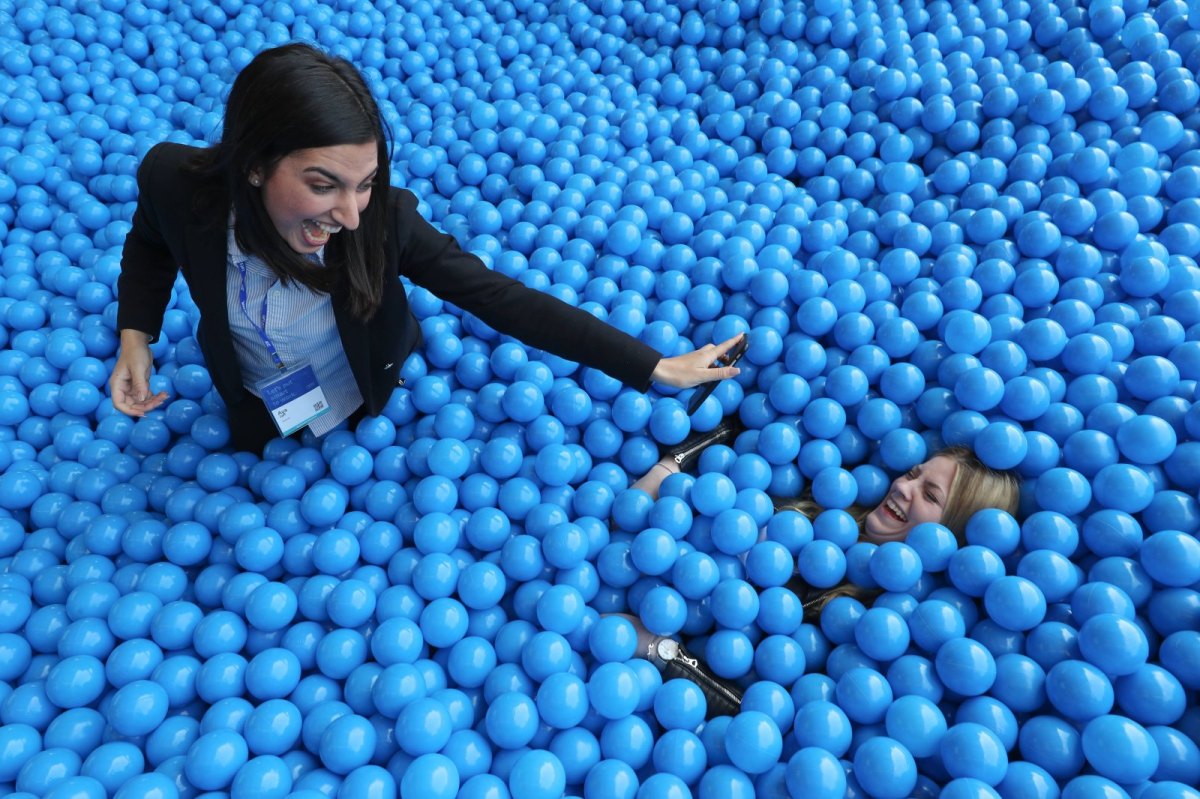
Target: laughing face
312	194
916	497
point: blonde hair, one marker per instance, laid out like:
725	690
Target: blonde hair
975	486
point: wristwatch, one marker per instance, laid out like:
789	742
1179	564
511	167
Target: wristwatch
723	699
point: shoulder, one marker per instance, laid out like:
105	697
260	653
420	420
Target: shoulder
404	220
168	183
164	175
401	202
166	161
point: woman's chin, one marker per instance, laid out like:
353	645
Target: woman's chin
878	533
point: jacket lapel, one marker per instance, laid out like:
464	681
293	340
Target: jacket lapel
354	338
206	280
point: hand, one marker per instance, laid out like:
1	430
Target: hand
130	381
646	640
694	368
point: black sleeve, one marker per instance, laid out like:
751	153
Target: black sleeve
148	269
434	261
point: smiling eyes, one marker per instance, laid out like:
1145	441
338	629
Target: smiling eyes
913	474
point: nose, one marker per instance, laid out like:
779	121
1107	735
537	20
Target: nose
347	212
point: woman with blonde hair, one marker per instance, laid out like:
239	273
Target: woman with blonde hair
947	489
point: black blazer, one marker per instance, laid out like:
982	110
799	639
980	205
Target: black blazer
169	234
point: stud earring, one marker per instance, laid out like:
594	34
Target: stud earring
255	180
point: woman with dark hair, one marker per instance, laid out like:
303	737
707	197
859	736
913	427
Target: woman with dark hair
292	243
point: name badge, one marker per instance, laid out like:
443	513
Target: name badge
294	398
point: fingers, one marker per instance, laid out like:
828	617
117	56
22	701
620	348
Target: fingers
125	402
714	373
725	372
728	344
140	394
152	402
704	365
131	406
142	400
130	395
120	384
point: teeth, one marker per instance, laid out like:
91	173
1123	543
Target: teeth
896	510
319	230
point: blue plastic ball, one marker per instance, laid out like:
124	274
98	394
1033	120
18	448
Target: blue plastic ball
814	771
884	768
1120	749
215	758
1078	690
965	666
754	742
431	775
138	708
973	751
1015	603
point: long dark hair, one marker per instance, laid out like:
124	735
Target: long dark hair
290	98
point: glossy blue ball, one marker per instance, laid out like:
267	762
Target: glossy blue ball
754	742
214	759
431	775
138	708
512	719
538	774
884	768
965	666
1078	690
1120	749
973	751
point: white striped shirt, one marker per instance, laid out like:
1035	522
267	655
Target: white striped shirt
301	325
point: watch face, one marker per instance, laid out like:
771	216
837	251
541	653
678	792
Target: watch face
668	648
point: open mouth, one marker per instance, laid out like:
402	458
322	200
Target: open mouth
893	510
316	234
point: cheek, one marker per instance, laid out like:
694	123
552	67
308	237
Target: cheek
928	512
290	205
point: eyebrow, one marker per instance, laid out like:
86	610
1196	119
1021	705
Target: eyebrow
334	178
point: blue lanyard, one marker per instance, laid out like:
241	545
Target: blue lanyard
262	328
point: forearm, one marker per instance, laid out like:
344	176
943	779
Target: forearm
435	261
148	267
542	321
144	287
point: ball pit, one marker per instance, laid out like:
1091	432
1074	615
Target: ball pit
937	223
